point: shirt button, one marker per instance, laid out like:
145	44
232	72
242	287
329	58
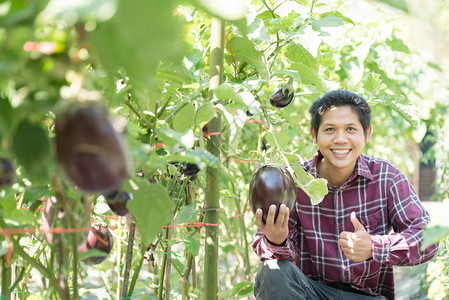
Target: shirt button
339	220
346	273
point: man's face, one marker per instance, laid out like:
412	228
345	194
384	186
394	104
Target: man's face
340	139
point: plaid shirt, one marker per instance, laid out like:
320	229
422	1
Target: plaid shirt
384	202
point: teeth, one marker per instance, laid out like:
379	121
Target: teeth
340	151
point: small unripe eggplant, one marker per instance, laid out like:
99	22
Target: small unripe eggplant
91	153
117	201
100	238
283	96
7	172
271	185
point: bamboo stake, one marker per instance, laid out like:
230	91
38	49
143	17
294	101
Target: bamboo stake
212	203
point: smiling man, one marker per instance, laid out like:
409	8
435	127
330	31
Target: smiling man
371	219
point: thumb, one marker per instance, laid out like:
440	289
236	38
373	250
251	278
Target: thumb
357	225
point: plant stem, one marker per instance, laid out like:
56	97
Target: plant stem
119	261
162	270
168	267
185	276
6	278
34	263
129	258
136	272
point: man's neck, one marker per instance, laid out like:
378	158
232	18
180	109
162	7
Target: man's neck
334	176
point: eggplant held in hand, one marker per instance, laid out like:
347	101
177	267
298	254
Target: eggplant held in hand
271	185
91	153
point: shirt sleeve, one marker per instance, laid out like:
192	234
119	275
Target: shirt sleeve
408	218
266	250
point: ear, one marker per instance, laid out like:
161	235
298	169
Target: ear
368	134
313	134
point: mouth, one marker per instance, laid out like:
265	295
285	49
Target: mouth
341	151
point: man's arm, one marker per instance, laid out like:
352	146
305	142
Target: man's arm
408	217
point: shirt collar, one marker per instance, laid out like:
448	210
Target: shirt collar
361	167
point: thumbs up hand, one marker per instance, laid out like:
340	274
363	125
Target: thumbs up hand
356	245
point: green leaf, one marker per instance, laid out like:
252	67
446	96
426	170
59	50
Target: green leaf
308	75
184	118
23	217
192	245
226	92
327	21
398	45
372	83
151	206
299	54
257	31
204	114
315	188
9	204
31	147
339	15
246	50
282	138
399	4
188	213
404	108
303	2
140	36
290	73
235	128
433	235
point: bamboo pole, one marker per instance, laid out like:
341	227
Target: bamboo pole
212	204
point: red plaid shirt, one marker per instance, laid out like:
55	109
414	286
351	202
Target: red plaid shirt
384	202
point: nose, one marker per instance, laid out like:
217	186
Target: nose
340	137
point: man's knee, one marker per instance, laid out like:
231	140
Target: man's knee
281	280
276	270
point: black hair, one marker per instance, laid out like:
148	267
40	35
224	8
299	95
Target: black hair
340	98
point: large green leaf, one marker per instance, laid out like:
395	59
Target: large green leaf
299	54
184	118
204	114
188	213
137	38
151	206
31	147
433	235
308	75
246	50
315	188
372	83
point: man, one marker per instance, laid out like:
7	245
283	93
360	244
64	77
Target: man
346	246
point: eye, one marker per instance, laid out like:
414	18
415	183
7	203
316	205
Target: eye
329	129
351	129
